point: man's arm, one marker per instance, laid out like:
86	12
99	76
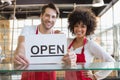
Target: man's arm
19	55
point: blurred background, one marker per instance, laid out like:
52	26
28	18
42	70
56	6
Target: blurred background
15	14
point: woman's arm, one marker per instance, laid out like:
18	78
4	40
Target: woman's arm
100	53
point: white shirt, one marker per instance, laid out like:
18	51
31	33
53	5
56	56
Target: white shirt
28	30
91	50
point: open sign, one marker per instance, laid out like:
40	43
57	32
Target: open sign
47	48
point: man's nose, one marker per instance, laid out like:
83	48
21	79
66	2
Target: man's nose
50	18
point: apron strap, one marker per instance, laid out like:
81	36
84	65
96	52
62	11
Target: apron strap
71	44
84	42
36	30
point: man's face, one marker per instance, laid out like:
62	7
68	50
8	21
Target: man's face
48	18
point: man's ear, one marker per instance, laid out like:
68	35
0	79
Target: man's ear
41	15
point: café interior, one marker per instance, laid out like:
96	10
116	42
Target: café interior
15	14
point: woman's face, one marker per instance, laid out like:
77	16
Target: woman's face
80	30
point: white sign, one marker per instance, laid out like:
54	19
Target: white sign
47	48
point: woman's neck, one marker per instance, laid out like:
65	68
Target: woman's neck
78	43
79	40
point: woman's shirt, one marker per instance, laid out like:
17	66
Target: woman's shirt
93	50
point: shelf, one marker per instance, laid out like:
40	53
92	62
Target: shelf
60	67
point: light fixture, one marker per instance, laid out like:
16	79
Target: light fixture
98	3
9	2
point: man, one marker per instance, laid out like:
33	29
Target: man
48	17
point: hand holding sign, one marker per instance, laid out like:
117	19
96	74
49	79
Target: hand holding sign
70	59
48	48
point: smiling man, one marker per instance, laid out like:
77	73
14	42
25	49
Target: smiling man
48	18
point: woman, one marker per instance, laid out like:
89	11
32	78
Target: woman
82	23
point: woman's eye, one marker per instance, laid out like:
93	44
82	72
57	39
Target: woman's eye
84	26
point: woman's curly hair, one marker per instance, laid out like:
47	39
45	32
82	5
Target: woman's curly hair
82	15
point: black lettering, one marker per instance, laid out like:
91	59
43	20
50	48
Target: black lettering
60	49
35	47
43	48
51	48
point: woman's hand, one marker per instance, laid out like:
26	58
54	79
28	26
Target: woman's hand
89	74
69	58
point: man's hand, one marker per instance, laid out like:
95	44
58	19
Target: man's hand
19	55
20	59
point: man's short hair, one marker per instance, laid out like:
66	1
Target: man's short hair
52	6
